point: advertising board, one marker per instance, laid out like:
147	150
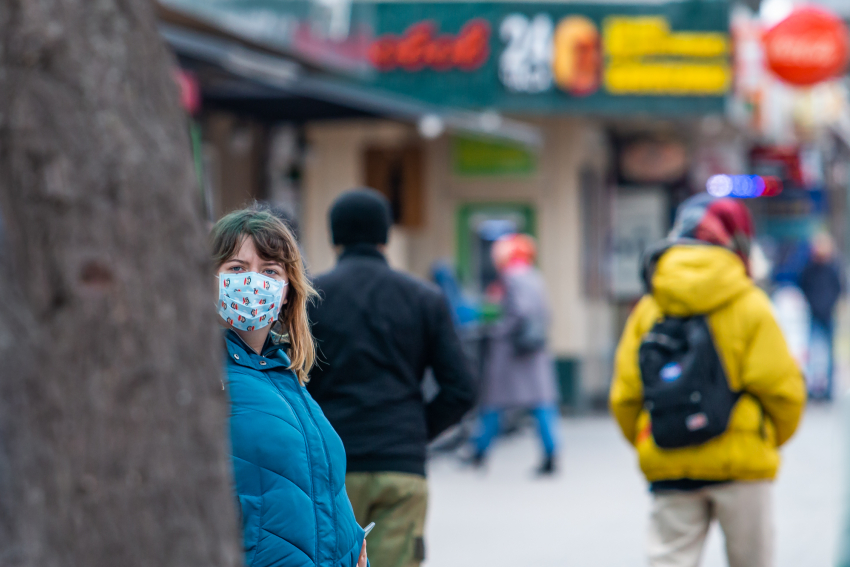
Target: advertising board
550	57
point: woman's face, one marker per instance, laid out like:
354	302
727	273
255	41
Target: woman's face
246	259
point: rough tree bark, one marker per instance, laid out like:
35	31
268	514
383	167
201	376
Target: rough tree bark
112	418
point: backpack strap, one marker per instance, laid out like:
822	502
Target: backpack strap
662	340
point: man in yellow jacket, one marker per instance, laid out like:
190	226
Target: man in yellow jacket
703	270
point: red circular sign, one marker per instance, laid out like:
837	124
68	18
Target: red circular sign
809	46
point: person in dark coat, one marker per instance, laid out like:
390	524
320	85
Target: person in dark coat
821	283
377	331
288	462
519	371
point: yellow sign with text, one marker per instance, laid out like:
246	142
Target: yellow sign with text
644	57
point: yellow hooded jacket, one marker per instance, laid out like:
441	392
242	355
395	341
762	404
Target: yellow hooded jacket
697	279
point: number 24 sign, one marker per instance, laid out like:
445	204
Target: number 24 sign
538	54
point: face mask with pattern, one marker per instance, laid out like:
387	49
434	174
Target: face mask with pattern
248	300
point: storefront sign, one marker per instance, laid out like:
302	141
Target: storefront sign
556	56
545	57
334	34
644	56
641	56
647	161
478	157
422	47
809	46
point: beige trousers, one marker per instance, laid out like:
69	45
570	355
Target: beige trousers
680	520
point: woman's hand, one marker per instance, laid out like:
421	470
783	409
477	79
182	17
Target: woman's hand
362	561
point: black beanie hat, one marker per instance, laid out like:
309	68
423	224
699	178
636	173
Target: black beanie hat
360	216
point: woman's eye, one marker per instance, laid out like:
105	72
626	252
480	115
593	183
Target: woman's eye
234	268
271	272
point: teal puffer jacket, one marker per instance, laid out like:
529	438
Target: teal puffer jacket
289	466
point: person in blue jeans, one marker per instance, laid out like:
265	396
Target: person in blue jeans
288	462
546	418
519	371
821	283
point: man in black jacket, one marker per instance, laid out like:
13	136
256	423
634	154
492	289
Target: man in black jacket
377	331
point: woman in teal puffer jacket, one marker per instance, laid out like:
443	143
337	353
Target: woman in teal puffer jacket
288	462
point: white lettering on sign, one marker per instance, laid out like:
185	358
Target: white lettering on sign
807	50
525	65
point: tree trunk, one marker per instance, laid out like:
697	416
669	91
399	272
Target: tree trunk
112	415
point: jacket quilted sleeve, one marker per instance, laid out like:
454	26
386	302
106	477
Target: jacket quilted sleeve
626	397
769	371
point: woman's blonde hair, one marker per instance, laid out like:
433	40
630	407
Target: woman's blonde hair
274	241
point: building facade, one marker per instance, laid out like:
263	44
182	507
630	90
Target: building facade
576	123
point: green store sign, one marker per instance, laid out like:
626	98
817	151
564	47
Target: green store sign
474	156
556	57
519	57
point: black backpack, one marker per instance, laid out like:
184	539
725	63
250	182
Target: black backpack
684	385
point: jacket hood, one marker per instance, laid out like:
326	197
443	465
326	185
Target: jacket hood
693	279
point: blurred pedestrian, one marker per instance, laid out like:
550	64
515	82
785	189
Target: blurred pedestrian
288	462
706	390
519	371
378	331
821	283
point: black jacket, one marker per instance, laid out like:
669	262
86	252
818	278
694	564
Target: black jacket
377	330
821	284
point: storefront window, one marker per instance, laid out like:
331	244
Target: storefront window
397	173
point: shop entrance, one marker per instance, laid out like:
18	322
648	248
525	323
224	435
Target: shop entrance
478	226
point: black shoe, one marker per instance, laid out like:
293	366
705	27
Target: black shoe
547	467
477	461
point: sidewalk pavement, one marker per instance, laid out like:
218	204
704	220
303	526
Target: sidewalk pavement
594	512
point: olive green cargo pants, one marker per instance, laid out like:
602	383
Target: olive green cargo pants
397	503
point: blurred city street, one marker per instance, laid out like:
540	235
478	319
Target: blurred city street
594	512
281	275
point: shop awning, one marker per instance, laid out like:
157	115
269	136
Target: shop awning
271	79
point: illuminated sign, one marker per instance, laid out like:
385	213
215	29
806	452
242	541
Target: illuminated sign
644	57
537	54
641	56
422	47
612	57
807	47
534	56
743	186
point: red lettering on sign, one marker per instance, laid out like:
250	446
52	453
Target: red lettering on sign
420	47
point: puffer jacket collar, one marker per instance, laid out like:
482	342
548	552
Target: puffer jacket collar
273	354
695	278
650	258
